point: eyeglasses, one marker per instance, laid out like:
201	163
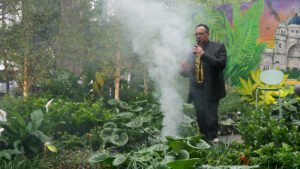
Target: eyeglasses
200	34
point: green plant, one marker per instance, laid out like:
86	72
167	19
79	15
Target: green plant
22	162
261	129
24	135
175	153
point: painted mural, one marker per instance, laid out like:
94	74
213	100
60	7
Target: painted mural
280	29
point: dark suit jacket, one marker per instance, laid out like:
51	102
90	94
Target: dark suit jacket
214	61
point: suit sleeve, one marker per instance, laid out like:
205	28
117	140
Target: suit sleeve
218	60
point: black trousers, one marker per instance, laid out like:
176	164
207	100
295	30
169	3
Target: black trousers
207	114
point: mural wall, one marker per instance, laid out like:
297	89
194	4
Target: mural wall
280	29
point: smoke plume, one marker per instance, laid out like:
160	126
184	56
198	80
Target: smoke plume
159	36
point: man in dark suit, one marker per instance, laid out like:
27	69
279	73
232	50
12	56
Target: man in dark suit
204	68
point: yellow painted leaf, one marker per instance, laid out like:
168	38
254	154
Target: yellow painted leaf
256	76
245	89
51	148
284	80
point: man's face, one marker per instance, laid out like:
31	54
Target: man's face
201	33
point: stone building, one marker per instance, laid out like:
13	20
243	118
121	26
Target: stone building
286	53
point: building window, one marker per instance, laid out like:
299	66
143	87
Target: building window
279	45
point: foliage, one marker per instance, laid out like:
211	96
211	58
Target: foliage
231	110
30	38
73	159
189	126
248	89
65	84
75	117
21	162
243	51
270	142
171	153
23	135
293	74
130	124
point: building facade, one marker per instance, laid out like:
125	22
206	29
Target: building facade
286	53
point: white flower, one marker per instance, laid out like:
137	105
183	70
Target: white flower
79	82
1	130
2	115
47	143
47	105
238	113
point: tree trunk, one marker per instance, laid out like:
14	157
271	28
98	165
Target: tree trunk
4	48
6	75
145	84
117	79
26	82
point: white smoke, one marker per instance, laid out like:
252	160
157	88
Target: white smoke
159	36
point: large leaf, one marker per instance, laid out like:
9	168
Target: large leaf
110	125
183	155
37	118
106	133
99	79
19	119
40	135
9	152
114	102
51	148
158	147
96	158
135	123
152	131
125	115
197	143
119	159
137	109
119	139
183	164
153	148
178	145
142	157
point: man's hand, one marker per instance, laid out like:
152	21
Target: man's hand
185	66
198	50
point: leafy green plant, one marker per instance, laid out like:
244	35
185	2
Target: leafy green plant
175	153
26	136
